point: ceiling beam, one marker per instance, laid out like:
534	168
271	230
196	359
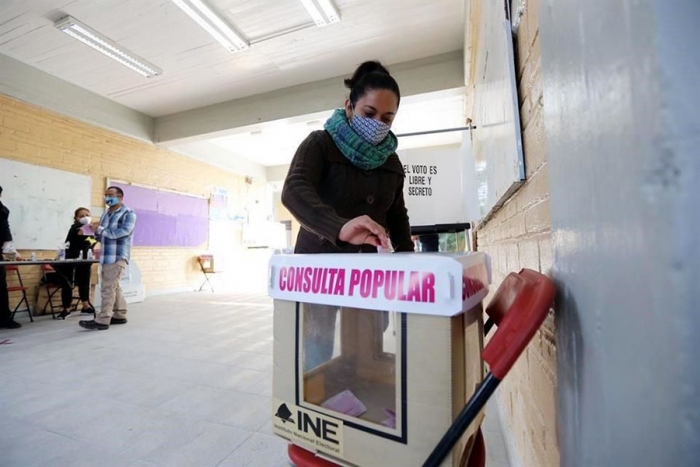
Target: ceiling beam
431	74
36	87
218	157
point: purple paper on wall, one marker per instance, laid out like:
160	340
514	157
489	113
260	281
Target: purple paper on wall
167	219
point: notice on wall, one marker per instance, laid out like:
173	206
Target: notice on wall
437	188
419	178
218	204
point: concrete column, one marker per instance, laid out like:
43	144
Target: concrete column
622	125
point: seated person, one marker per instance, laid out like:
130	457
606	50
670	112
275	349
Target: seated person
78	245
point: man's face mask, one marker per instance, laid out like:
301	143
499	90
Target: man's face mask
371	130
111	200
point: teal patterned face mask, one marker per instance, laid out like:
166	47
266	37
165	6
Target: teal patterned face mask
356	148
371	130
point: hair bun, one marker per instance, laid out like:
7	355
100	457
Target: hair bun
370	75
363	70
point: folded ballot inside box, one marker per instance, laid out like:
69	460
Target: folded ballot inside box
375	354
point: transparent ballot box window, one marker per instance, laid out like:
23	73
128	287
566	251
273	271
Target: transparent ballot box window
351	365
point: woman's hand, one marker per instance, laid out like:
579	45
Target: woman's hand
363	230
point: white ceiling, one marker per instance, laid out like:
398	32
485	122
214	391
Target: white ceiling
274	143
197	71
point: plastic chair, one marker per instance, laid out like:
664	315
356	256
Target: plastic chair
518	309
19	288
501	302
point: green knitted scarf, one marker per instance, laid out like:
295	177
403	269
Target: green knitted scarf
358	151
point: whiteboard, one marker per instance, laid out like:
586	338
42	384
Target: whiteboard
41	202
496	141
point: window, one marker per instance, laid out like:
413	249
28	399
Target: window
351	366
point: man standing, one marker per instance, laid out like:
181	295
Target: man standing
114	230
6	320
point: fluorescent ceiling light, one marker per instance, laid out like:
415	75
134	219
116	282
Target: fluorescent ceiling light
97	41
211	22
323	12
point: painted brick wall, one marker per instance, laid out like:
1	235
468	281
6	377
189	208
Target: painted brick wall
518	236
37	136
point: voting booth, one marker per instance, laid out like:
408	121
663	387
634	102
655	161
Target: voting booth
376	354
440	220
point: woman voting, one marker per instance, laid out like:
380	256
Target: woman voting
345	187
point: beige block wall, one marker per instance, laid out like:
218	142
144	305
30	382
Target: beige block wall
37	136
519	236
285	215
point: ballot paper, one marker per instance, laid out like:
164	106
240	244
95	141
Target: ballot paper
87	230
391	418
346	403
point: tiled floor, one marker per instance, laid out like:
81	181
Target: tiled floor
186	383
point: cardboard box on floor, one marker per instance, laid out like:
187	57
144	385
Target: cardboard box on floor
375	355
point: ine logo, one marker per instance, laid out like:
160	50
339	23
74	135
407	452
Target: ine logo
284	413
297	424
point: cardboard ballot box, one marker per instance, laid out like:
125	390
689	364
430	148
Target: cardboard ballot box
375	355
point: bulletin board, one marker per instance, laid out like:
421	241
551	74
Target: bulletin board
41	201
166	218
496	140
